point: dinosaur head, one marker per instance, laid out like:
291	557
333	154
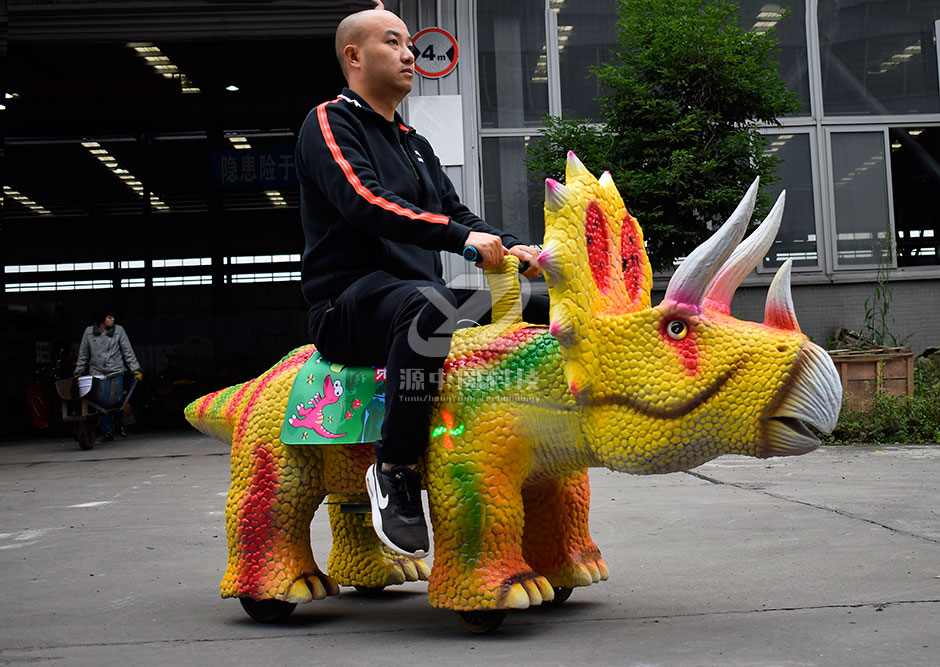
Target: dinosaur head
671	386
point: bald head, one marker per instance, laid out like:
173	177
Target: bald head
353	29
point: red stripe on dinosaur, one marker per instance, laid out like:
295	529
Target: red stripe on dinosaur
501	347
254	523
290	363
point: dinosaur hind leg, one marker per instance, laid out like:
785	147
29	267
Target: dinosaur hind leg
271	502
358	557
556	539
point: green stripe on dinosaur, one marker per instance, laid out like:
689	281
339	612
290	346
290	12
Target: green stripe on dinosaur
471	511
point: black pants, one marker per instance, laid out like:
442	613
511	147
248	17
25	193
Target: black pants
405	325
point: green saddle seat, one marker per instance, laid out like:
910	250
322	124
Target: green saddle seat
333	404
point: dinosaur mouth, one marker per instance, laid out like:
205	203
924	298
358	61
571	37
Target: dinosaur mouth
813	395
660	411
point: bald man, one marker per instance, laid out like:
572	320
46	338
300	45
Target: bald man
377	209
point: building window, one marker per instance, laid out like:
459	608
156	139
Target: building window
860	191
879	57
512	62
586	36
915	186
512	199
860	198
796	239
761	16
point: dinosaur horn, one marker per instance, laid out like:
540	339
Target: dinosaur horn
575	169
695	273
555	195
744	259
778	310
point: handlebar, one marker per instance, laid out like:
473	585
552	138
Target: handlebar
472	254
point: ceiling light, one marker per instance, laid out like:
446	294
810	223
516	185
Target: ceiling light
915	133
111	163
232	88
25	201
151	54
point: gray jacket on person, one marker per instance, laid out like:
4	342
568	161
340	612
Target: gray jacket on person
105	353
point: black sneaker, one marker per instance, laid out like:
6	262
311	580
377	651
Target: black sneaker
397	513
123	432
108	438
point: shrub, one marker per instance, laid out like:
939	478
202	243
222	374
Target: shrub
893	419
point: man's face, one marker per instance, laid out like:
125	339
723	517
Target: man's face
385	53
108	321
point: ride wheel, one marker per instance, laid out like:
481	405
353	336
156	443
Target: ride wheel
369	590
481	622
562	593
267	611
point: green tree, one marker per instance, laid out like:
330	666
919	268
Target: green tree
687	88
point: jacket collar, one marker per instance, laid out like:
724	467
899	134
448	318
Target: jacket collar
358	102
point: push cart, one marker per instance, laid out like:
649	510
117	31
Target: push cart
86	398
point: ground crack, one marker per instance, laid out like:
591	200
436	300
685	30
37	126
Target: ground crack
745	487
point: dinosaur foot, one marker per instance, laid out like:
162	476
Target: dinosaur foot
588	570
313	586
378	569
530	592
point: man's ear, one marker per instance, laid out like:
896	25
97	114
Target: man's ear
351	55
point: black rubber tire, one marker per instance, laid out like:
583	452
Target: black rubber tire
267	611
85	439
481	622
369	590
562	593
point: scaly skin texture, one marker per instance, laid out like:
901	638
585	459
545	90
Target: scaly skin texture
521	414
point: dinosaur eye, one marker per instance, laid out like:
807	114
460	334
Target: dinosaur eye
337	387
677	329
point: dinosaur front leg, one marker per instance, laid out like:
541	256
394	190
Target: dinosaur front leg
557	540
272	499
478	517
358	557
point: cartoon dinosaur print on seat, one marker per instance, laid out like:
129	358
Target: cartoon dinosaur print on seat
312	417
523	411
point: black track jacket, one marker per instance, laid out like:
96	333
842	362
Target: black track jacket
373	196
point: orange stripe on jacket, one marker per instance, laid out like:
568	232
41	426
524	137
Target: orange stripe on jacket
362	190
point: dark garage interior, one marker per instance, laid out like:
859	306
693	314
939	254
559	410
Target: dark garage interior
148	170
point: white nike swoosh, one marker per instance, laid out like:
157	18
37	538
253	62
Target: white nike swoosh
383	498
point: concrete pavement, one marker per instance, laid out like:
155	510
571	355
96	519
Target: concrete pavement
114	556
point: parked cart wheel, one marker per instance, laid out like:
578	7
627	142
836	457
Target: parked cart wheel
267	611
84	436
481	622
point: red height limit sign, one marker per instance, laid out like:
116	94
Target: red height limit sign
435	52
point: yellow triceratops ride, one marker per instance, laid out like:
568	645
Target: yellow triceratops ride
524	410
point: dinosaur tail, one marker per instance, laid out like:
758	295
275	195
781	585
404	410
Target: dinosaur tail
217	414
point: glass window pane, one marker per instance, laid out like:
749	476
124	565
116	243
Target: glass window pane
587	31
760	15
796	239
512	61
512	198
915	181
860	195
879	57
